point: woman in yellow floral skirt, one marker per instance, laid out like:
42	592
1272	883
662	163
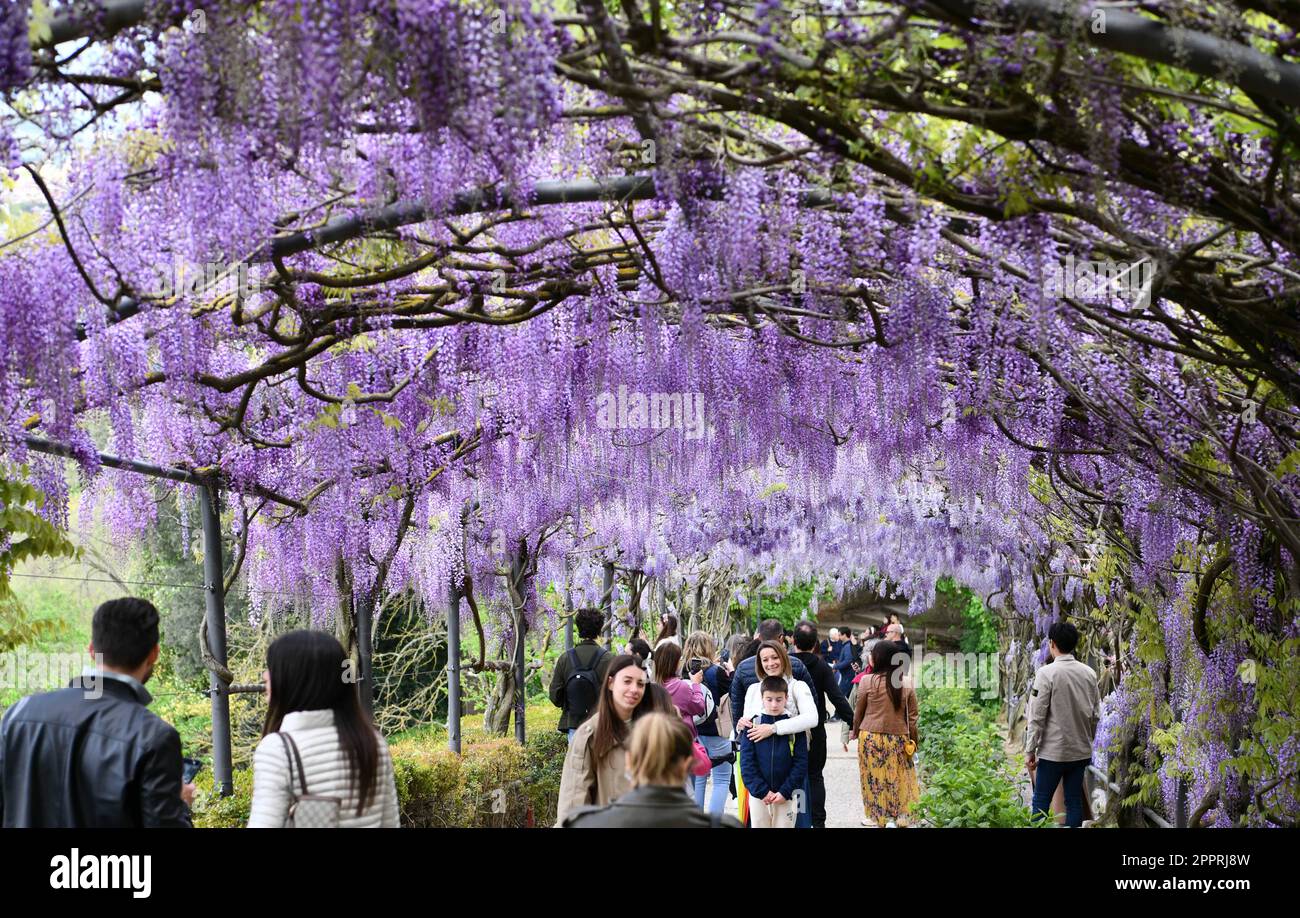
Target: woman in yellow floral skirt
884	722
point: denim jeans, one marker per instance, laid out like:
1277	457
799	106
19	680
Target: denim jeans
572	731
1049	775
716	747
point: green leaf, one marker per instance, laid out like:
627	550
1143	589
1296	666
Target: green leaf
1017	204
38	26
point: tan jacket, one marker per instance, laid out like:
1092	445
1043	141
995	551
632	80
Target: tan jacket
874	711
584	782
1063	711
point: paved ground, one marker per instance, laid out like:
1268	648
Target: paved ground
843	786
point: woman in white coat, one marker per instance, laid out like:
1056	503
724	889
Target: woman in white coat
800	706
319	740
774	661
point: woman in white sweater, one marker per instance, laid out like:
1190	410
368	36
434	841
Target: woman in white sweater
340	754
774	661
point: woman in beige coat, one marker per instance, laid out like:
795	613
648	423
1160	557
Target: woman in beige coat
595	767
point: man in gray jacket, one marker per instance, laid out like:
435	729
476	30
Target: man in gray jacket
1063	710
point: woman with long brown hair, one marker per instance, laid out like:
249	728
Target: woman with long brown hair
318	739
885	718
688	695
668	629
595	765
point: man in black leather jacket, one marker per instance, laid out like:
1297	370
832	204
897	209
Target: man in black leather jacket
827	686
93	755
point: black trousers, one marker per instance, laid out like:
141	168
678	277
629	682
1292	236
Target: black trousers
816	783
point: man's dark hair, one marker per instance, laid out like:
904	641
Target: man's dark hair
771	630
774	684
124	631
1065	636
589	622
639	648
805	636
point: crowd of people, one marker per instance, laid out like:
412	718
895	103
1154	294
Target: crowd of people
753	716
658	736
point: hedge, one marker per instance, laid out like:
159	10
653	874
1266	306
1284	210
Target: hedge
493	783
967	777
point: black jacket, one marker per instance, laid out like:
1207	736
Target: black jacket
72	761
648	807
825	683
586	651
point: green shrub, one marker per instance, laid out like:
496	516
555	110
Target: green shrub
428	786
544	764
493	783
967	778
212	811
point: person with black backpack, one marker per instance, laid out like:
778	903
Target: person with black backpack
580	673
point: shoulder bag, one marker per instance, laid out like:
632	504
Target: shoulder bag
909	744
307	811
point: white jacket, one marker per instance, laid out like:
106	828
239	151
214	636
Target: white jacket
327	774
799	704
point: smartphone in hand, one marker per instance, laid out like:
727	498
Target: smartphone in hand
190	769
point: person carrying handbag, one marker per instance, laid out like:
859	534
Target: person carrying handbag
321	762
715	725
884	721
307	810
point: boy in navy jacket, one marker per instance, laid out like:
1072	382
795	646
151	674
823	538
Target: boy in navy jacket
775	767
